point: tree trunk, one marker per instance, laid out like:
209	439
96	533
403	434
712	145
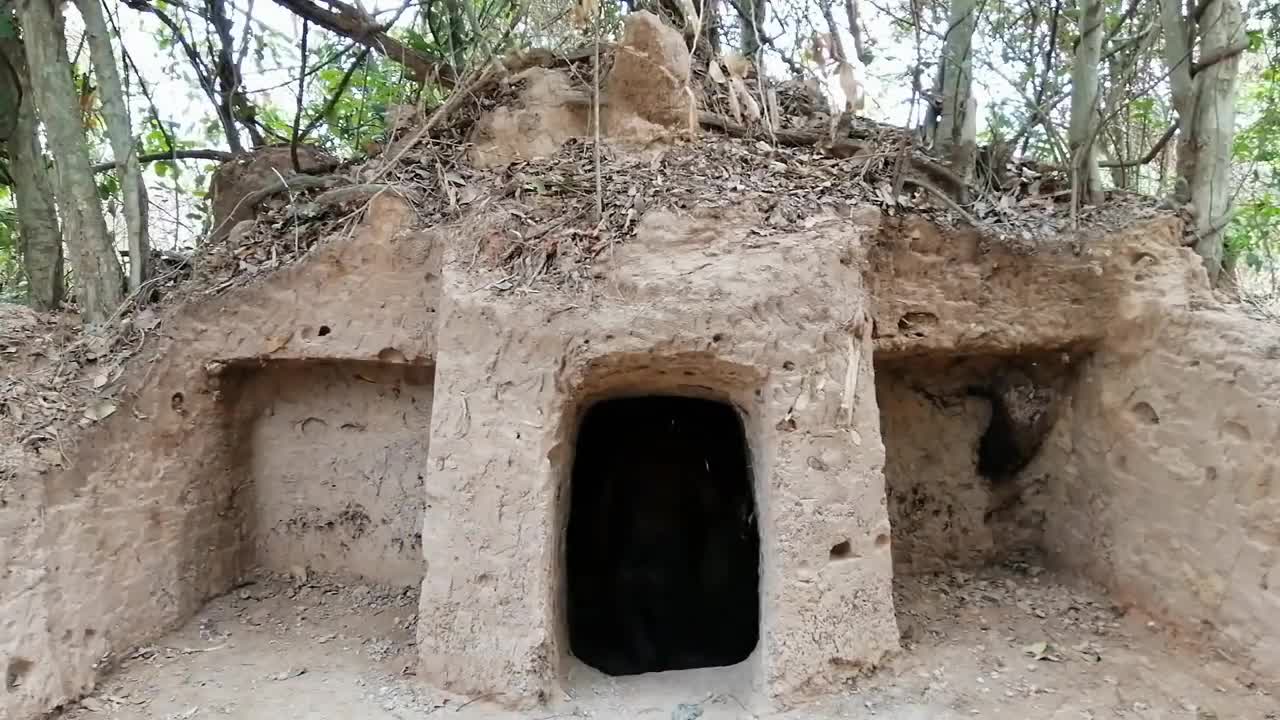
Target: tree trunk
1083	130
99	283
38	233
1222	37
124	146
751	25
234	102
1204	93
1177	55
955	138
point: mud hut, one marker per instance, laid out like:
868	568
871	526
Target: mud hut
683	399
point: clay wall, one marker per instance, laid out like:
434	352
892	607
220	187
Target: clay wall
694	306
335	455
934	414
142	526
1165	479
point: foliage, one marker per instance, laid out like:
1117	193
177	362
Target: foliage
12	280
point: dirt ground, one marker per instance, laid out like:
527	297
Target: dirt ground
1013	642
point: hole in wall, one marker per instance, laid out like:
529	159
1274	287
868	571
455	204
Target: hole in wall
917	324
1237	430
1145	414
324	330
842	550
15	671
662	556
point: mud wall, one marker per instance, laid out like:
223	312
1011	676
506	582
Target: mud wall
693	305
141	527
953	292
336	454
934	415
1165	478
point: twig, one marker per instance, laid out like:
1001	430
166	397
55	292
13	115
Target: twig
302	90
297	239
595	115
337	95
945	198
455	99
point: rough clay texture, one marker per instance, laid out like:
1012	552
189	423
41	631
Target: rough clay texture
1158	480
650	74
693	305
232	181
945	514
547	113
1165	473
143	526
645	95
335	460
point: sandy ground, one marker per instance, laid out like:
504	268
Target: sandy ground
1012	643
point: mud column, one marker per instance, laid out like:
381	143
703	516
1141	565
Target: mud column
696	306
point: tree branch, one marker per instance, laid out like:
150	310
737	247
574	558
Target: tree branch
337	95
354	24
1226	53
302	90
1151	154
218	155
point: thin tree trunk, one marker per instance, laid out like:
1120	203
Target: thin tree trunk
1222	36
38	233
99	283
235	102
124	146
954	134
1204	93
855	29
1177	55
752	26
1081	135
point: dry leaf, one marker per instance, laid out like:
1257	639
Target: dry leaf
100	410
714	71
101	379
1042	651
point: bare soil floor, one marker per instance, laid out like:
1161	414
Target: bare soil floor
1013	642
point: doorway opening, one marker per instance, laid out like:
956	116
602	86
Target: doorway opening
663	549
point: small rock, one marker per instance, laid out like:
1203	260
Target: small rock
92	704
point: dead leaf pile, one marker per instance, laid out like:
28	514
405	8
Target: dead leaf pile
57	378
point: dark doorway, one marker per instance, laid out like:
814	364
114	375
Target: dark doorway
663	548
